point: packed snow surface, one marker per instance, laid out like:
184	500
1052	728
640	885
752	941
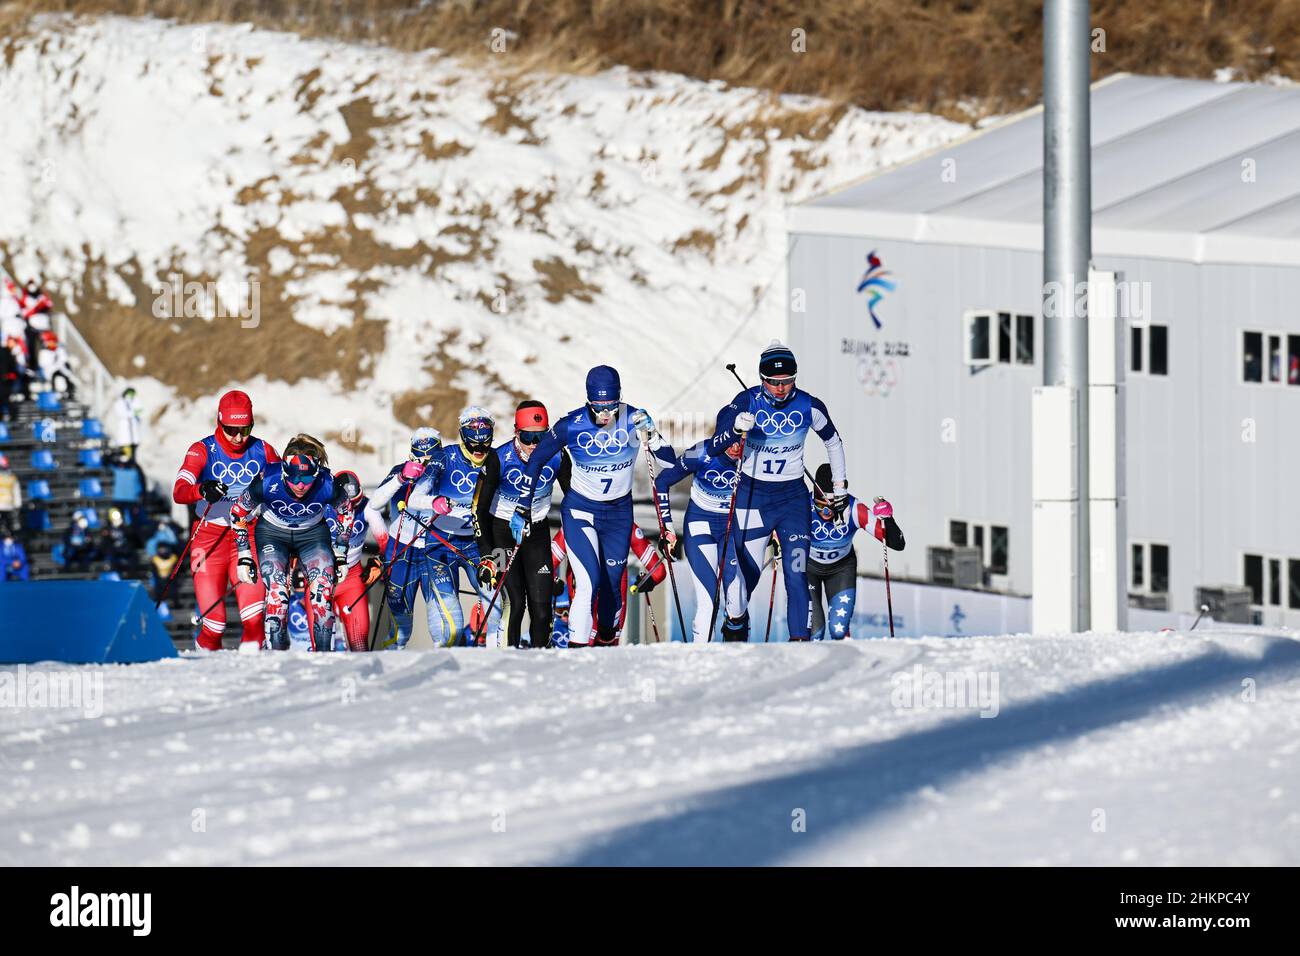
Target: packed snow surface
1076	749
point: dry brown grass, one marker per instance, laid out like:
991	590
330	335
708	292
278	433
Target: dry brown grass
880	54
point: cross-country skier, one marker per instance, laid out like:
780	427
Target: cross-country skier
500	489
298	500
602	439
705	523
216	471
355	616
832	563
774	419
408	495
458	548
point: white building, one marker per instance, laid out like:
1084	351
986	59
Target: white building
1196	203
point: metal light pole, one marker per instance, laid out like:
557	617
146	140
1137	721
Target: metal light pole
1067	249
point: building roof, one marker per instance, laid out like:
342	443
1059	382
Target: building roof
1181	169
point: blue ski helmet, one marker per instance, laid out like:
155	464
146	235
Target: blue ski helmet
300	469
603	385
425	442
476	430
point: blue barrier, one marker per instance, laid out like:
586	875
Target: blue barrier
80	622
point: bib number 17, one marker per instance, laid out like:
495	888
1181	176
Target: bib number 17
778	470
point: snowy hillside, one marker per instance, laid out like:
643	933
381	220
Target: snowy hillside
418	229
1085	749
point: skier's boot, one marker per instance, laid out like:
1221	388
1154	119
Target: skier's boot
736	629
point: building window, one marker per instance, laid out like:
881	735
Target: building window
977	338
1253	577
993	541
999	338
1025	340
1252	347
1293	584
1270	358
1263	575
1148	348
999	545
1149	568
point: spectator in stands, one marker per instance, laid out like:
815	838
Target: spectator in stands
36	308
22	385
166	532
117	544
8	378
128	485
126	424
79	546
53	362
162	562
13	557
11	497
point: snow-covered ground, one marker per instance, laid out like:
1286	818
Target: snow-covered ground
500	230
1092	749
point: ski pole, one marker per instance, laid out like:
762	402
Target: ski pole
771	603
889	595
650	607
181	560
428	529
386	574
663	530
500	584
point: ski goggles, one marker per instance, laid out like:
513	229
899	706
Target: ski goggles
530	438
778	381
242	431
603	408
424	450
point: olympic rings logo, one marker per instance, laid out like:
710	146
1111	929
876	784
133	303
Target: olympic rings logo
779	423
298	509
236	474
602	443
463	481
822	531
298	621
515	476
720	479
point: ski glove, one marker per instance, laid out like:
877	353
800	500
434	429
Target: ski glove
340	568
213	490
744	422
882	509
773	548
519	522
667	543
488	576
641	421
412	470
840	500
247	570
442	505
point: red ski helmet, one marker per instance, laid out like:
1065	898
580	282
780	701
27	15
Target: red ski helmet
235	409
